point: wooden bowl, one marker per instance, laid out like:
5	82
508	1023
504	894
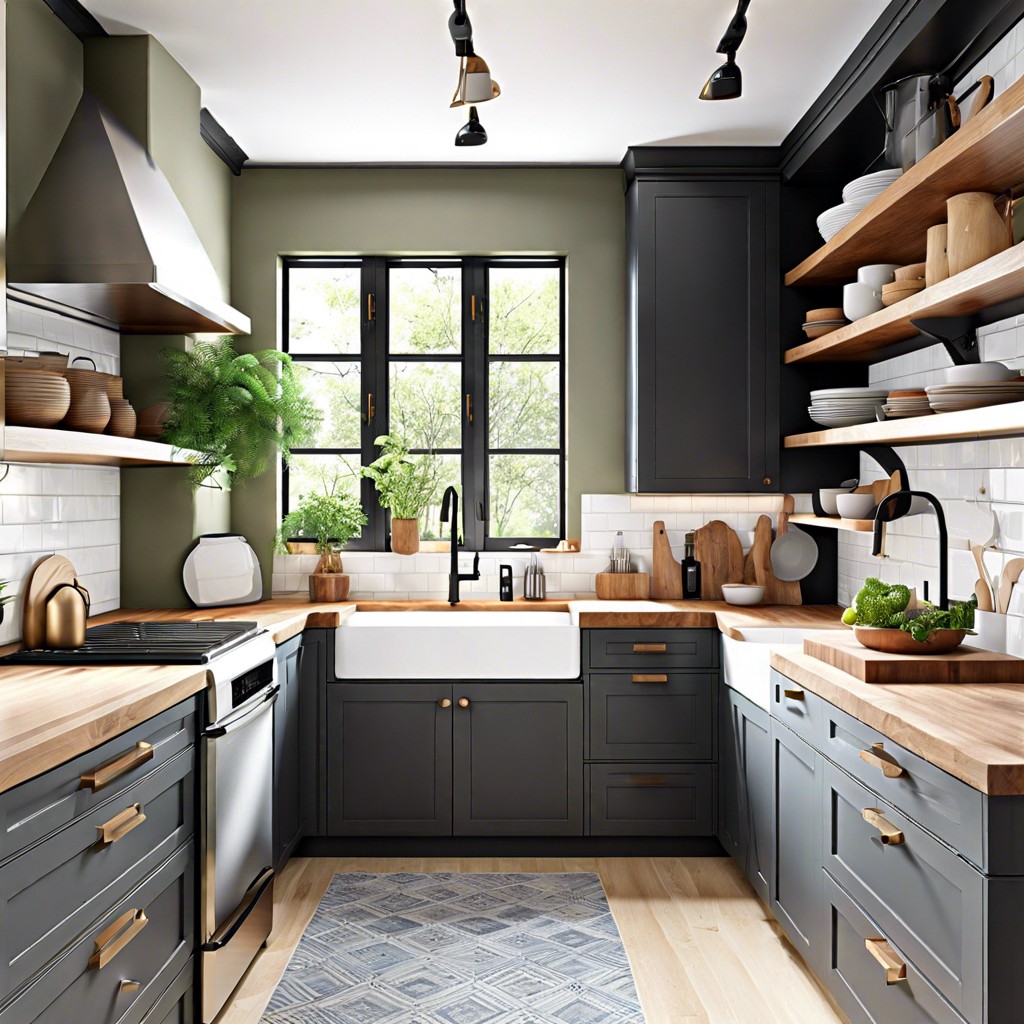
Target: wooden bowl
820	332
35	398
912	272
151	421
896	641
900	290
89	412
122	418
832	313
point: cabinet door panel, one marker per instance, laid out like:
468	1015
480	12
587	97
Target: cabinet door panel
287	807
389	759
651	799
757	765
732	816
518	756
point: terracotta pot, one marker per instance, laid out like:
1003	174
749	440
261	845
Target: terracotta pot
90	410
122	418
330	586
936	267
151	420
976	230
405	536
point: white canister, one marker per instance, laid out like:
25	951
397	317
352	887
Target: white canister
877	274
861	300
1014	634
993	632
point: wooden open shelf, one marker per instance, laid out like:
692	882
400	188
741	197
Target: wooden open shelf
834	523
998	279
967	425
985	155
71	447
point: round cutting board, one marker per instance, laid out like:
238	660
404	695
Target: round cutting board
49	573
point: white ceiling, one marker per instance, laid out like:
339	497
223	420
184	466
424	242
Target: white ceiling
335	81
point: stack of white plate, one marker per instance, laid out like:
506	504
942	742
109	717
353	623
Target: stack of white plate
902	404
835	219
845	407
954	397
863	190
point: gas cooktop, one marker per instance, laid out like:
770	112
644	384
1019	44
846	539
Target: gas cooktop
140	643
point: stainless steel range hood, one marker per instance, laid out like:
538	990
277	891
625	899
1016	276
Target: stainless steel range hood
104	233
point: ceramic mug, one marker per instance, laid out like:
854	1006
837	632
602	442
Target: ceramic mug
861	300
877	274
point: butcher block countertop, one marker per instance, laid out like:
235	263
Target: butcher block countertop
973	731
50	714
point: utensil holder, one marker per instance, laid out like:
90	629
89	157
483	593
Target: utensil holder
622	586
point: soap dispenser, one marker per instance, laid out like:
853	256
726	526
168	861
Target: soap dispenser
505	582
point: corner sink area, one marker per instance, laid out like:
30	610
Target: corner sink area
458	644
745	663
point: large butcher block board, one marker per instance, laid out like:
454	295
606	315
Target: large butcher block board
964	665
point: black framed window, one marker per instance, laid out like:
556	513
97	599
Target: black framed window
463	357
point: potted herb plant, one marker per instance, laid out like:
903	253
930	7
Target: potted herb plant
404	487
331	520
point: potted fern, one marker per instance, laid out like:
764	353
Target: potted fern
331	521
403	486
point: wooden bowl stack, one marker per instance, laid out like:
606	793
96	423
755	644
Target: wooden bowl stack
90	404
823	321
35	397
909	281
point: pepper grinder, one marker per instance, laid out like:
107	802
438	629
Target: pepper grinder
505	582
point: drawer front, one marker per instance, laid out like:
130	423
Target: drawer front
58	888
925	898
36	808
859	982
77	988
652	716
651	799
641	650
177	1004
945	806
798	709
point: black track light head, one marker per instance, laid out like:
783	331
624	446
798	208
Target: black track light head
725	83
461	30
736	31
472	133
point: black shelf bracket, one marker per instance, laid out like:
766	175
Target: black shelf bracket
887	458
957	334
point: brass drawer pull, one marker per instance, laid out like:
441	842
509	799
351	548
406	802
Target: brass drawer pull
121	824
895	968
463	702
129	985
107	773
638	779
444	702
878	758
650	648
890	834
794	694
656	678
112	940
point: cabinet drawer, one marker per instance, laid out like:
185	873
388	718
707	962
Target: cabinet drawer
88	982
798	709
177	1004
44	804
652	716
926	899
859	982
651	799
641	650
58	888
945	806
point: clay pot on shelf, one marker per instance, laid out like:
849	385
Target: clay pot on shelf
405	536
122	418
936	267
90	410
151	421
977	230
35	397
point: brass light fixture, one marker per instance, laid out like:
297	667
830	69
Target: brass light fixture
475	84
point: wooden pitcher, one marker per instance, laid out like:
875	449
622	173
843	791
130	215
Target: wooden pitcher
976	230
936	266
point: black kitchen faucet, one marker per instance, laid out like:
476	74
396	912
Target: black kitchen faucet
451	501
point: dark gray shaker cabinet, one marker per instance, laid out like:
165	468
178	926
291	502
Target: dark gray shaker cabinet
288	823
703	367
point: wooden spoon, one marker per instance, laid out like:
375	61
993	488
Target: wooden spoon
982	588
986	86
1010	576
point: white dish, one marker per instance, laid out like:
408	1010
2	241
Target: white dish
835	219
870	184
980	373
793	555
861	300
742	593
851	393
827	499
877	274
841	421
855	506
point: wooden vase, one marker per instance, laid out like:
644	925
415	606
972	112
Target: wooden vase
936	267
405	536
976	230
328	586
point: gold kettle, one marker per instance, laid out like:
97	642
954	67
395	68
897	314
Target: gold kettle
66	610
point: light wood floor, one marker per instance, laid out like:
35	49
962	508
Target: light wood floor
702	947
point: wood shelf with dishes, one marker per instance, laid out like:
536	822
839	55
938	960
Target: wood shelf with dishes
833	523
73	447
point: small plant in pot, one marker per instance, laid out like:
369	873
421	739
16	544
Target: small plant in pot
403	486
330	520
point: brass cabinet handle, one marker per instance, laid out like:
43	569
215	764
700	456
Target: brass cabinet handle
371	409
371	306
469	408
650	648
794	694
649	779
107	773
112	940
878	758
463	702
890	834
656	678
444	702
895	968
129	985
121	824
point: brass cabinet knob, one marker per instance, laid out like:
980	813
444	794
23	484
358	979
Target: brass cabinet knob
767	481
444	702
463	702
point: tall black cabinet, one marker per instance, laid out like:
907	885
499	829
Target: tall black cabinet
703	366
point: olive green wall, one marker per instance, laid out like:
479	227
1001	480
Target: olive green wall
451	211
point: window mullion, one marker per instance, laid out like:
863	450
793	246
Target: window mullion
474	378
373	338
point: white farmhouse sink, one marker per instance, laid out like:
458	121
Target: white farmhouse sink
746	663
458	645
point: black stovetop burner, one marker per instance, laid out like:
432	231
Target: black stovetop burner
141	643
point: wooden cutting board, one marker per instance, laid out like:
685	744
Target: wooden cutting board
46	576
964	665
666	572
720	554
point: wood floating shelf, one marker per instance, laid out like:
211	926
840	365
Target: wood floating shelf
73	448
998	279
966	425
985	155
834	523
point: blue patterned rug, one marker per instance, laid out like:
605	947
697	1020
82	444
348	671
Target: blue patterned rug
459	949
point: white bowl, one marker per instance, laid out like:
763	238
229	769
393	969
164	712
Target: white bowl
861	300
855	506
877	274
979	373
742	593
827	496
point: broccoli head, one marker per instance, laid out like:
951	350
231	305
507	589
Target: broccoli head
880	604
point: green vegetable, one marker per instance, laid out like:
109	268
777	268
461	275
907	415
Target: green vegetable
850	617
880	604
960	616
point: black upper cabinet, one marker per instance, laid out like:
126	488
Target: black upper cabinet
703	370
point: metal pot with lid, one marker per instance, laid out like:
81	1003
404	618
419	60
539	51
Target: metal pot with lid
906	105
